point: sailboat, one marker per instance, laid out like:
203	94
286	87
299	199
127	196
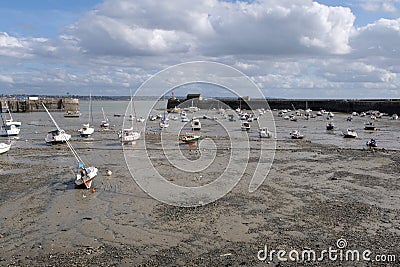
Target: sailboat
11	121
164	120
105	124
86	130
85	175
129	135
8	130
4	147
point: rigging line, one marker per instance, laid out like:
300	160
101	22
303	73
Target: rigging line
77	157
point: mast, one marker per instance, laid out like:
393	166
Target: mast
77	157
9	112
90	109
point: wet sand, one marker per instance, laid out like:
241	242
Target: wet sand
315	194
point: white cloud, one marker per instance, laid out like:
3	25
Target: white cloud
379	5
290	48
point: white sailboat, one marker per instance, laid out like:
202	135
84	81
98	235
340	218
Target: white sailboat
8	130
11	120
164	120
85	175
105	124
4	147
129	135
86	130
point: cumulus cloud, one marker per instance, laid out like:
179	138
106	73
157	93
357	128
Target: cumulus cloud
216	28
379	5
285	46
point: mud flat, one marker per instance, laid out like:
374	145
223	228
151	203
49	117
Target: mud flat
314	195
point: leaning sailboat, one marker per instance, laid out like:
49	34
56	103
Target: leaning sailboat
85	175
8	129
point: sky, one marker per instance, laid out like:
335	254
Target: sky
290	48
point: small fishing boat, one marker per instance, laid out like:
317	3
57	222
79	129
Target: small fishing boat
72	114
190	138
394	117
264	133
4	148
349	133
196	125
57	137
371	143
245	126
295	134
330	126
369	126
85	175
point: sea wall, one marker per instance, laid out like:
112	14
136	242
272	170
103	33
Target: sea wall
32	105
348	106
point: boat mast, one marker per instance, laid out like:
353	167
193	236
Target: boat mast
90	109
77	157
9	112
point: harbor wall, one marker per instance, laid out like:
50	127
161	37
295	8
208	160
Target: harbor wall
33	105
347	106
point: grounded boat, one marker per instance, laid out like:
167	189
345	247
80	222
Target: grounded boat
105	124
330	126
264	133
349	133
371	143
57	137
72	114
369	126
295	134
394	117
129	135
11	120
190	138
85	175
4	148
196	125
245	126
86	130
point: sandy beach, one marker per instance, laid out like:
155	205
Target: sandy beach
316	193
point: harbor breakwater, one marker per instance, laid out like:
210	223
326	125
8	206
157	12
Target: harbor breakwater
347	106
33	104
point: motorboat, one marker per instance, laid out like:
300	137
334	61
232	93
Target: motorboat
369	126
295	134
190	138
57	137
394	117
264	133
4	147
196	125
72	114
371	143
349	133
245	126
